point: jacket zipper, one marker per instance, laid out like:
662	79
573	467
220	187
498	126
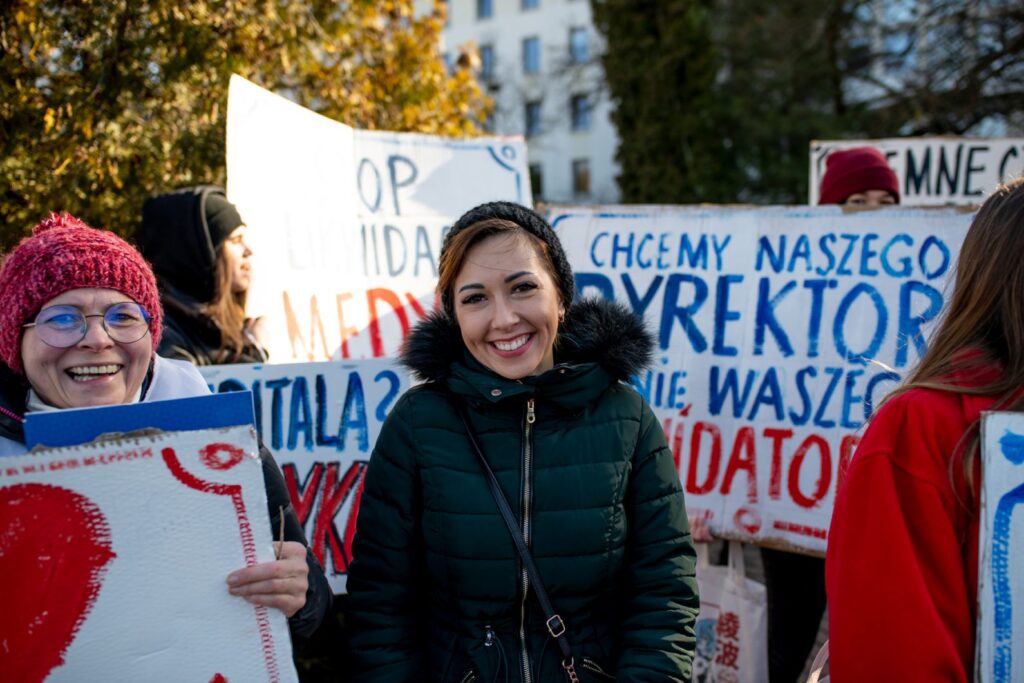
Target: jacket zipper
531	417
595	668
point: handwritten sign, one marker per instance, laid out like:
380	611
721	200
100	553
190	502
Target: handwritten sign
935	171
117	553
1001	562
346	225
320	420
778	330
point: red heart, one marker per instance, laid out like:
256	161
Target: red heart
54	546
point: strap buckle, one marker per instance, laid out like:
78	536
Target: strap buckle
556	627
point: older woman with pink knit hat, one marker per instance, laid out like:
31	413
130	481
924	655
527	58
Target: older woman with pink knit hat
79	327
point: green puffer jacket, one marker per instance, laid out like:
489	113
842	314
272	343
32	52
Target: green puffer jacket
436	589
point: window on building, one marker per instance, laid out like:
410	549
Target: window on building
533	117
530	4
531	55
579	46
486	63
536	181
579	107
484	9
581	176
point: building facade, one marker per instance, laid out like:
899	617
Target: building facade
540	63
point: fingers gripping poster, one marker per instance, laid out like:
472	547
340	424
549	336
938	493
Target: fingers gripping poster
117	555
1001	563
346	225
320	420
778	330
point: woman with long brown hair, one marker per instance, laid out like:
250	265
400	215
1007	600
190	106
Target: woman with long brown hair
196	241
902	563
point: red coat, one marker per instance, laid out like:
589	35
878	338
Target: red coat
902	564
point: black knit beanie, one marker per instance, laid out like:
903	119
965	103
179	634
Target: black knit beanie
530	221
221	216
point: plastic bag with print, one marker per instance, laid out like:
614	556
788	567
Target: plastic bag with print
732	628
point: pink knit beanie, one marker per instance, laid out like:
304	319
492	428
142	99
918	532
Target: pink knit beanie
858	169
62	254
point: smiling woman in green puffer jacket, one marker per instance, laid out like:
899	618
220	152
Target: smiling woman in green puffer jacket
437	590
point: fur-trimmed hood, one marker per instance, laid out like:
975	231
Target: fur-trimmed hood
594	331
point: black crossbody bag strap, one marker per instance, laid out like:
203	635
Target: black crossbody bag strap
554	623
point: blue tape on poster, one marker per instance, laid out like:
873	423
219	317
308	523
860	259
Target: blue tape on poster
76	426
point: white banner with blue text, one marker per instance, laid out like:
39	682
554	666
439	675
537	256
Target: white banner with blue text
1000	560
778	330
320	420
346	225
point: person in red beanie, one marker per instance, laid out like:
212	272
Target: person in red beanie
859	176
902	559
79	327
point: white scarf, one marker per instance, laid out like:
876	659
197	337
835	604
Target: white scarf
36	404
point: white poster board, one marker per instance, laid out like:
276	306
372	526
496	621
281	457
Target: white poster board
320	420
346	225
778	329
116	556
935	171
1000	658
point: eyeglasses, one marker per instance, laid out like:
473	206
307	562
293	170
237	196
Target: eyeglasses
65	326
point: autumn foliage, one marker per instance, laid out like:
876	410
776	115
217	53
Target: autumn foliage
105	102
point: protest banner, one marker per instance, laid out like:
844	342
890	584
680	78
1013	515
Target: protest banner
320	420
1001	562
346	225
118	552
935	171
778	330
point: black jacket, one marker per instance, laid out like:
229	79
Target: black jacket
176	240
436	588
189	334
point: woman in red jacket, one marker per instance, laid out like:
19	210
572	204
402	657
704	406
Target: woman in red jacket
902	562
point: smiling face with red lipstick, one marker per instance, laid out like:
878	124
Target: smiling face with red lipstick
507	305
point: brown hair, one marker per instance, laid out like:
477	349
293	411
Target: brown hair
455	249
227	309
983	326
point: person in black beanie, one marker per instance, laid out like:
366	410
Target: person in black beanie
527	220
436	588
195	239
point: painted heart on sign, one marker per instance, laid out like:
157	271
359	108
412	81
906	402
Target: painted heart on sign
54	548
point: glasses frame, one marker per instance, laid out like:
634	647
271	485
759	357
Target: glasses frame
103	321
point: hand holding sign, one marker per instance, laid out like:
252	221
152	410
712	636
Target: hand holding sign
100	540
281	583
